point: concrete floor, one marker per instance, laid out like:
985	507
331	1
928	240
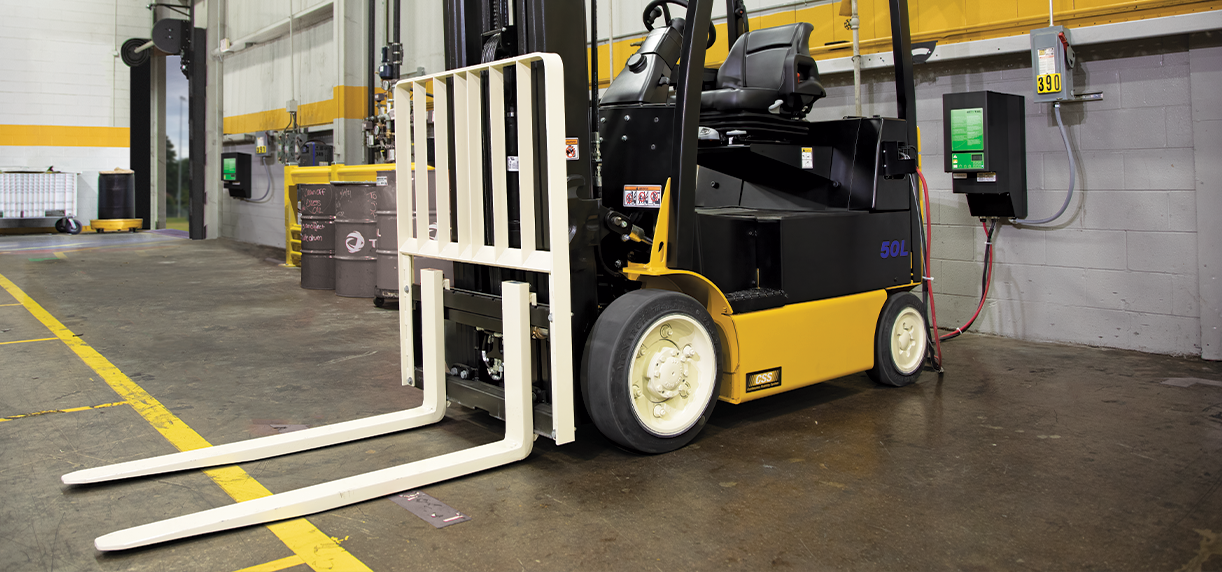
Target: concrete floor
1023	456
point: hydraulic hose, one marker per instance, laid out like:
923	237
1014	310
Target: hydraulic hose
1073	170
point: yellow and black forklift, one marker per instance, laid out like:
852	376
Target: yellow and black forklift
721	246
685	238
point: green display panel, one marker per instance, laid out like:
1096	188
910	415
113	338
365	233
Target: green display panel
969	161
967	129
229	169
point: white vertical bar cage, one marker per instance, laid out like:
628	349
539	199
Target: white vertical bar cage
37	195
460	94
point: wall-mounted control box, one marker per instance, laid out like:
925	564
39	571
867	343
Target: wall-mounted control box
235	173
985	139
1052	64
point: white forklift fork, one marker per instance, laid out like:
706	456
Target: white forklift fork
414	224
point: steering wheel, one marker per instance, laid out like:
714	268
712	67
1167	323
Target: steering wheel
651	13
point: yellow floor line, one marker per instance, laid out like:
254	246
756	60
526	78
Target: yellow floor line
27	341
314	548
70	410
2	305
275	565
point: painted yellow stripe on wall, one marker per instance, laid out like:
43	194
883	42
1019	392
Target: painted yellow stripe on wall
64	136
316	549
948	21
347	102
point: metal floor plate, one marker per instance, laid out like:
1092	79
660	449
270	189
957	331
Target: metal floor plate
433	511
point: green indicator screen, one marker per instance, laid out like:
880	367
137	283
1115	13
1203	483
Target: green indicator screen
229	169
967	129
966	161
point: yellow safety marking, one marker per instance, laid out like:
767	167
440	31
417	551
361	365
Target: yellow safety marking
316	549
26	341
275	565
347	102
1	305
61	256
64	136
69	410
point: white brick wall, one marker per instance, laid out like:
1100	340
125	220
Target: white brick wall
258	78
60	68
60	65
1120	268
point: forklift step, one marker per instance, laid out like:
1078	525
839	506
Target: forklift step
753	299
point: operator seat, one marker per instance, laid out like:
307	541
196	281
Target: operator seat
765	66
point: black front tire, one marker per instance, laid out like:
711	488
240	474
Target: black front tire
614	402
901	341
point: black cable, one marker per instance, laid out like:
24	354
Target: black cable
268	193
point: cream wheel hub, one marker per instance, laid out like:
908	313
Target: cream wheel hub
667	374
908	335
673	375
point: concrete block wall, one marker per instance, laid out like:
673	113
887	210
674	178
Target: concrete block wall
1205	61
61	69
1120	267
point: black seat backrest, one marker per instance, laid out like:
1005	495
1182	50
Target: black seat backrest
776	59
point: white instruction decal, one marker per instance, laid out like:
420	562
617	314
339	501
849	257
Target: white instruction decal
1048	61
511	163
986	177
808	158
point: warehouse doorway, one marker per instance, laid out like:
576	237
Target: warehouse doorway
177	149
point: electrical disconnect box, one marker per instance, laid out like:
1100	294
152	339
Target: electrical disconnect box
985	138
235	173
1052	63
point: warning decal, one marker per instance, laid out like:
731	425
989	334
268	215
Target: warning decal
643	196
570	149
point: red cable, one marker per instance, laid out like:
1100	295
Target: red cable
988	281
933	313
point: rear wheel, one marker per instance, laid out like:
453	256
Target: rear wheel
650	372
900	341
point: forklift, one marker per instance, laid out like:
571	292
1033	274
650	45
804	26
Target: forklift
686	238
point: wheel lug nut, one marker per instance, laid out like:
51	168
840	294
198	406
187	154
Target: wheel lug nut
659	410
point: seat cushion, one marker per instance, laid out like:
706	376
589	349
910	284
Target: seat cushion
738	98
